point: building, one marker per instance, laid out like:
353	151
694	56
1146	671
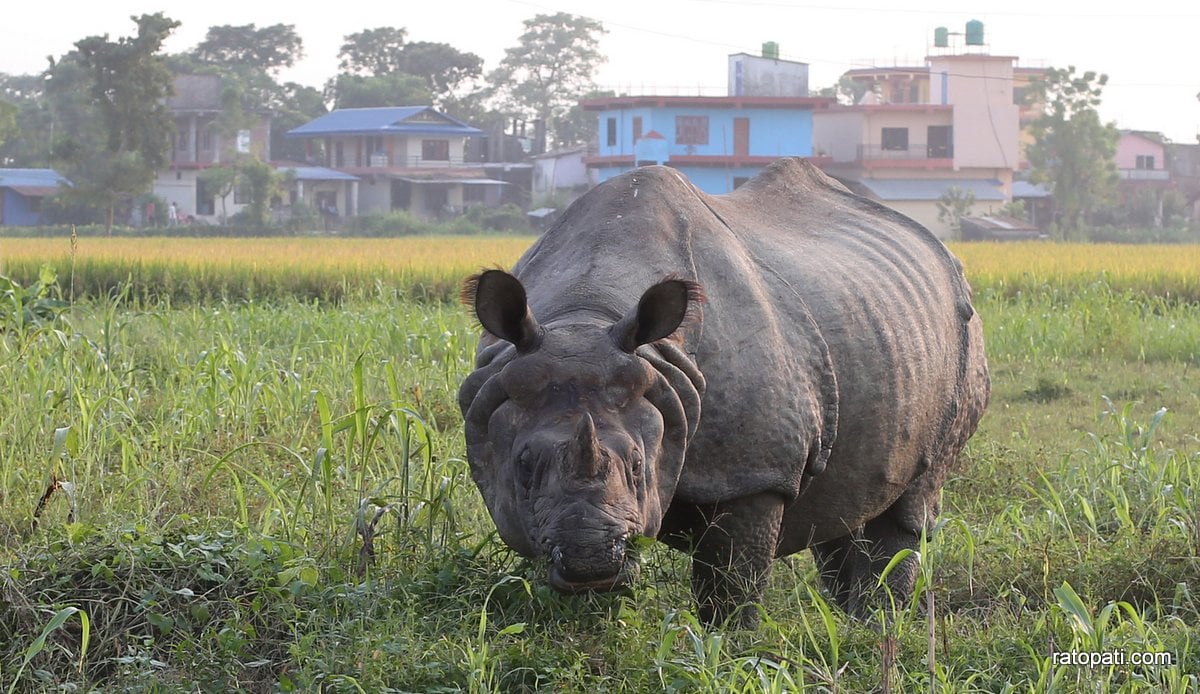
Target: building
718	142
1183	163
560	173
766	74
22	192
403	158
206	135
919	132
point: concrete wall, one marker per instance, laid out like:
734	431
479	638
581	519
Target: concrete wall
18	210
986	121
1132	145
752	75
773	132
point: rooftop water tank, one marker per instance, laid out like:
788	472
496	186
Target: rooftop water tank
770	49
941	37
974	33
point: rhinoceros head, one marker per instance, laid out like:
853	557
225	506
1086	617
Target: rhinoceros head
576	431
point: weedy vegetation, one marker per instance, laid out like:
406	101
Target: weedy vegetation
238	464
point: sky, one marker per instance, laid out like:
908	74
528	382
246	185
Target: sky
1150	49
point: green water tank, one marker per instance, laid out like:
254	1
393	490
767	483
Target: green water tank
770	49
974	33
941	37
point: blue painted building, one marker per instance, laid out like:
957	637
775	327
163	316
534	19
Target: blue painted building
22	192
717	142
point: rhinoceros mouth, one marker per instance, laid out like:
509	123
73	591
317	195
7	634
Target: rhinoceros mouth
622	580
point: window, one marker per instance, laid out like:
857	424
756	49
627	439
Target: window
611	130
691	130
241	194
339	155
1145	161
1019	95
637	128
940	139
895	139
205	140
435	150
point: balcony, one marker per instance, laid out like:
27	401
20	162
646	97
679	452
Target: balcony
914	152
381	160
1143	174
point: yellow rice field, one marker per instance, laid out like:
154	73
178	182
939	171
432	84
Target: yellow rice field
329	267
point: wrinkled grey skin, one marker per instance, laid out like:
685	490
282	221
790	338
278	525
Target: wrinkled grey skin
805	377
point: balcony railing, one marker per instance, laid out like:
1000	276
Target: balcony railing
383	161
913	151
1143	174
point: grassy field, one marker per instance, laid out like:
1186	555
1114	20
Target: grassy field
194	269
204	493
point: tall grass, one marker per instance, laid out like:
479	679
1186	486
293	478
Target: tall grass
272	495
330	269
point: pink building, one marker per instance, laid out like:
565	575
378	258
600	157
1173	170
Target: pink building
918	132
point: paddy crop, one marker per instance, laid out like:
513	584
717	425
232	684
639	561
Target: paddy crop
216	494
429	267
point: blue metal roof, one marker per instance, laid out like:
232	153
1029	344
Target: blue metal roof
317	173
31	178
932	188
1025	189
399	120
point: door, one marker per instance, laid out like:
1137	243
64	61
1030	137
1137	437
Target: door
741	137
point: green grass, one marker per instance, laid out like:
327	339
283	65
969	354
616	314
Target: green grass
273	496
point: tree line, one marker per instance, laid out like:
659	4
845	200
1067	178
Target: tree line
98	114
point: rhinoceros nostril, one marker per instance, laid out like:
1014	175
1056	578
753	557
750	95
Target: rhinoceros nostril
556	555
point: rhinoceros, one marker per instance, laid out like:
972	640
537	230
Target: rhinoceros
741	376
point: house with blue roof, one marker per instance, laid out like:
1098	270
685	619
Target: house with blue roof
22	192
402	158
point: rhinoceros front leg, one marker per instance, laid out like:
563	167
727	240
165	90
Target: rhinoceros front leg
731	560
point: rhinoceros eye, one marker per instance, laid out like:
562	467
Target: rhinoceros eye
635	463
525	467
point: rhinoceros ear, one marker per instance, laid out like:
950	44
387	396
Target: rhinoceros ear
500	304
660	312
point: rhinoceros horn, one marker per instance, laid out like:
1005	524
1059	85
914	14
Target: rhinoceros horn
587	459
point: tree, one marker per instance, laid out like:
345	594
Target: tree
269	48
262	183
1073	152
552	67
443	67
8	122
128	83
372	52
955	204
395	89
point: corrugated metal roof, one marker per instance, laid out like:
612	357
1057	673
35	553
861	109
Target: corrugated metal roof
397	120
931	188
31	178
1025	189
318	173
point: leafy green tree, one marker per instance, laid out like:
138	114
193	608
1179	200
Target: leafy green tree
262	183
220	182
395	89
955	204
128	83
443	67
550	69
269	48
8	122
372	52
1073	151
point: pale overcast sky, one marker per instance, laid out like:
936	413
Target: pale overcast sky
1150	49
